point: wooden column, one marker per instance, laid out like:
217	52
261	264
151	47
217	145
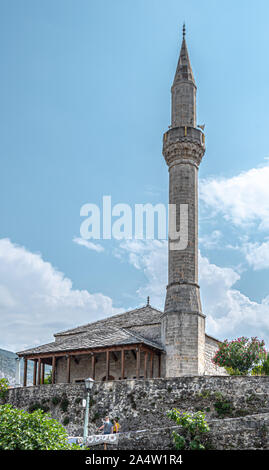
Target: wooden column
107	364
25	373
68	370
146	365
159	365
42	372
93	366
39	371
53	370
34	372
122	364
151	364
138	363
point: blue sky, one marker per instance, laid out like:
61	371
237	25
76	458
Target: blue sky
85	99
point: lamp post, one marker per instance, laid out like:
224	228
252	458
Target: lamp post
88	384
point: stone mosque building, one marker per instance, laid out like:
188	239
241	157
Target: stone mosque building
146	342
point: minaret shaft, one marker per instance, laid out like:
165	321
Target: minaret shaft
183	264
184	105
183	324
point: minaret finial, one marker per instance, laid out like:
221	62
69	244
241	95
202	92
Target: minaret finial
147	300
184	30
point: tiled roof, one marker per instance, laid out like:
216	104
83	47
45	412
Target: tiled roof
142	325
137	326
140	316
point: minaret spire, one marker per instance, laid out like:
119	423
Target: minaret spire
184	70
184	89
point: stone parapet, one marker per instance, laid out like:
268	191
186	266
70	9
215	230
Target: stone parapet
140	404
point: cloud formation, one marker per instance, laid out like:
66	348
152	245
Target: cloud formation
149	256
256	254
229	312
242	199
90	245
36	300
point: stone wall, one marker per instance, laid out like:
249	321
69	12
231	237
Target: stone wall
142	404
250	432
211	346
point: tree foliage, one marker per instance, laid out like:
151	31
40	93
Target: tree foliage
194	425
20	430
262	369
240	355
48	378
3	388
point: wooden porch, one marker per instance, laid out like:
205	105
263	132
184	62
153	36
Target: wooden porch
41	359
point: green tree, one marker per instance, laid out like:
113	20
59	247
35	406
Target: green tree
48	378
263	368
20	430
240	355
194	425
3	388
265	365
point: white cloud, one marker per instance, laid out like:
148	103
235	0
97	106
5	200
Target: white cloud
257	254
229	312
90	245
211	240
150	256
242	199
36	300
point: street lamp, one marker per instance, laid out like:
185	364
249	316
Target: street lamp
88	384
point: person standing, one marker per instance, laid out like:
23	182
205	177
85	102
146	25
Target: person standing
107	429
107	426
116	426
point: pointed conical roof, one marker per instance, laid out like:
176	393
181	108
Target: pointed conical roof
184	70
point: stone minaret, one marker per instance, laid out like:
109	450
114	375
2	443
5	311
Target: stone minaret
183	323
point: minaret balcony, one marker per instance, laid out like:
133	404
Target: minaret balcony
184	133
183	143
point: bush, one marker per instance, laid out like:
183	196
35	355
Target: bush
257	370
240	355
262	369
48	378
3	388
20	430
265	365
194	425
223	407
37	406
64	403
55	400
66	421
232	371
